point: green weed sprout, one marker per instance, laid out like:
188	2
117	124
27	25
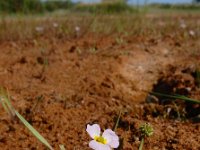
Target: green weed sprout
146	130
5	101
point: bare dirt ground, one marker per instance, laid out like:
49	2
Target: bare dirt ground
60	86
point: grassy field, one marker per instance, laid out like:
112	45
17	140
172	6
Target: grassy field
61	23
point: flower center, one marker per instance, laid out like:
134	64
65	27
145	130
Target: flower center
100	139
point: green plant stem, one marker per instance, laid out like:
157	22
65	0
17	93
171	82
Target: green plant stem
117	122
141	144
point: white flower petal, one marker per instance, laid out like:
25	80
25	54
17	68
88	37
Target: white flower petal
111	137
98	146
93	130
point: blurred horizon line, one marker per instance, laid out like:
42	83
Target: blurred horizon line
141	2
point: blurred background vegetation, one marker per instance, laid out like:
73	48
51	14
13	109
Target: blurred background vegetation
32	6
106	6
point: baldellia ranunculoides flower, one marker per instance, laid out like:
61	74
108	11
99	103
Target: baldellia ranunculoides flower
106	141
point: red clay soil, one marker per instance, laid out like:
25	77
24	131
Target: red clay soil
61	86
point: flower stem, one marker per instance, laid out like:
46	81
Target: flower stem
141	143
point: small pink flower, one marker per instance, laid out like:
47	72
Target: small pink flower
39	29
106	141
55	25
192	33
77	28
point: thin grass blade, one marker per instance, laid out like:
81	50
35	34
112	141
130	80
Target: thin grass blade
4	99
4	105
117	122
62	147
35	133
181	97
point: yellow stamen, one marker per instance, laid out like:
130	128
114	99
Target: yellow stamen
100	139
